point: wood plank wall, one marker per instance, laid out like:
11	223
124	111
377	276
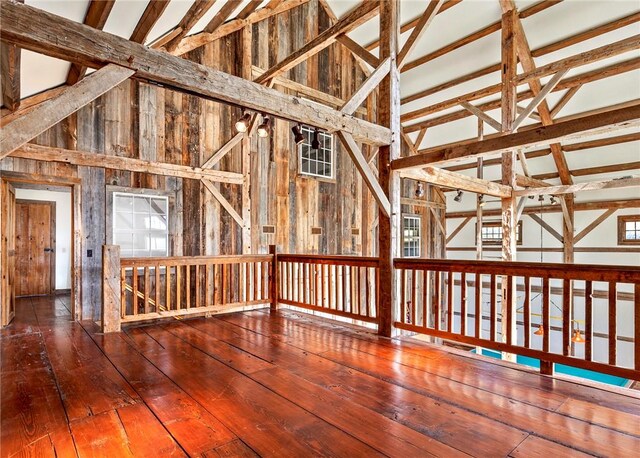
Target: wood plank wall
147	122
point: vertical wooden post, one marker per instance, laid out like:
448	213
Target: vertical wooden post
567	229
509	215
111	285
389	115
273	278
245	143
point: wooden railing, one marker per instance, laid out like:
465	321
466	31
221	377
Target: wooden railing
176	286
343	286
592	311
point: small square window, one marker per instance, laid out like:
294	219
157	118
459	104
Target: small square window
140	224
629	230
318	163
492	233
411	236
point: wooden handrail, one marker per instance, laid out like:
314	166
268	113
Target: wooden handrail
192	260
335	260
448	299
621	274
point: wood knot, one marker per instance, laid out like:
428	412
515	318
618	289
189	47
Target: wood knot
130	59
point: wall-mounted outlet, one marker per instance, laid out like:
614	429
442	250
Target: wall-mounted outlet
89	253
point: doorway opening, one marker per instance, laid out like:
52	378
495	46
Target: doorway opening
40	240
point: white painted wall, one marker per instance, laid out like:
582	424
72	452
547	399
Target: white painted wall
63	230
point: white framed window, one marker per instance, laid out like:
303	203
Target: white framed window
141	224
411	236
492	232
316	162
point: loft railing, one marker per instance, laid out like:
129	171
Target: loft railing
149	288
592	312
345	286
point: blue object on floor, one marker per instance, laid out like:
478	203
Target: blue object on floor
562	369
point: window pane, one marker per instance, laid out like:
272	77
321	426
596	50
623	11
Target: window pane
159	206
123	203
141	204
124	221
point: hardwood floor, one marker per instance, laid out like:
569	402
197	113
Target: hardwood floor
289	384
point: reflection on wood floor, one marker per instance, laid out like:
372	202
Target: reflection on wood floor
287	384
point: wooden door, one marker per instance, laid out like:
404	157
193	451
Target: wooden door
35	248
8	297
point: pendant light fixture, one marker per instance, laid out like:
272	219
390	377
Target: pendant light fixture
297	134
539	331
419	190
458	196
315	143
481	202
263	129
242	125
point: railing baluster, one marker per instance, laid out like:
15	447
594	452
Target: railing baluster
613	328
344	292
588	320
178	287
188	286
527	312
436	300
510	306
493	310
197	282
403	299
450	302
413	297
636	328
567	322
135	290
157	287
545	314
478	293
123	292
463	303
146	289
425	291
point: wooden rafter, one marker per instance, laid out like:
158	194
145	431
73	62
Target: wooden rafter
457	230
564	100
584	78
546	227
83	158
365	171
441	177
538	99
358	51
608	121
366	87
23	129
149	17
423	24
200	39
248	9
96	17
10	75
591	186
365	11
595	223
31	28
482	115
192	16
222	15
596	170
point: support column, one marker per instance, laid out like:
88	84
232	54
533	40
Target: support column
245	143
111	288
389	115
509	213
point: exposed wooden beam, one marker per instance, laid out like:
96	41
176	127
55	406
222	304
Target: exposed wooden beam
200	39
222	152
222	15
595	223
23	129
579	206
82	158
584	78
358	16
248	9
32	28
149	17
29	103
96	17
441	177
423	24
367	87
591	186
546	227
542	51
223	202
585	58
190	19
609	121
365	171
538	99
482	115
564	100
420	137
358	50
457	230
10	74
